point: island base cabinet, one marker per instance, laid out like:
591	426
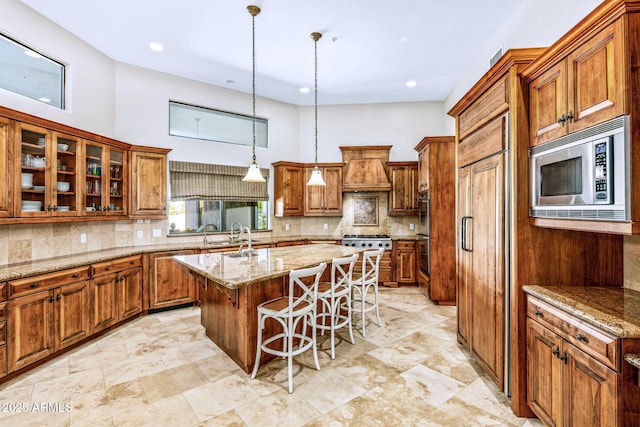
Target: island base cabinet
231	317
170	283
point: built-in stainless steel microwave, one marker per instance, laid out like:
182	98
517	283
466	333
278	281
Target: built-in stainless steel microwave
583	175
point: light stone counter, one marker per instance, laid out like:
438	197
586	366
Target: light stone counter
615	310
233	271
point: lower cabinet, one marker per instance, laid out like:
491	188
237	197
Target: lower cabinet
404	255
572	370
116	292
170	283
42	322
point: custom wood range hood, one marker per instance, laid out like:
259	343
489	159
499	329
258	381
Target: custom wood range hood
365	168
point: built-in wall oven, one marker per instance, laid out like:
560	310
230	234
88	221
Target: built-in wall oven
422	232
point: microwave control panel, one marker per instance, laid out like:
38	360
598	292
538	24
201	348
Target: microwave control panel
601	176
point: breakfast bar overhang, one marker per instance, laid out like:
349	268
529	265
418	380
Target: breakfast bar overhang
233	284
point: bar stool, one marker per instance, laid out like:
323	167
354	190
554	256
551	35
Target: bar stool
363	284
299	305
334	299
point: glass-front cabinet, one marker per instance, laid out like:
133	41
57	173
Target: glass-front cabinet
48	163
104	180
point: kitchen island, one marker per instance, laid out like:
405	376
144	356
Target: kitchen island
232	286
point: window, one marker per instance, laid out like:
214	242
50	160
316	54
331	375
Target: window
31	74
192	216
190	121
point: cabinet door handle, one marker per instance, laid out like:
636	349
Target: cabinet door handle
75	275
538	313
51	298
556	351
463	243
562	119
58	297
570	117
34	285
563	357
582	338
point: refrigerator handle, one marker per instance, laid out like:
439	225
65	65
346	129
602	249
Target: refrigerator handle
463	240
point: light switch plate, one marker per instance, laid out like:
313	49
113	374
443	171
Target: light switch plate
139	234
286	226
83	237
326	226
157	232
411	227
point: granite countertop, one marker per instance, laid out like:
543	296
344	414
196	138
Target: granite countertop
633	359
49	265
614	310
233	271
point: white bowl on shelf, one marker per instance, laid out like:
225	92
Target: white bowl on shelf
39	187
63	186
31	206
63	208
26	181
63	147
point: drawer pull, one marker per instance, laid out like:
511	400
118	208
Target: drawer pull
34	285
538	313
107	268
582	338
75	275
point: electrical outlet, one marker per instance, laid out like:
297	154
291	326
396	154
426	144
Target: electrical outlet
286	227
326	226
139	234
83	237
140	221
157	232
411	227
147	221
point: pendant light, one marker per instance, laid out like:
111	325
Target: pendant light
253	174
316	174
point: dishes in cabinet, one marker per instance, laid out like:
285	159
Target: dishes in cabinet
63	147
63	208
26	181
63	186
39	187
41	142
37	162
31	206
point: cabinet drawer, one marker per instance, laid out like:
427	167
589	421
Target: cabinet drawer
47	281
406	245
3	311
108	267
3	332
596	343
3	291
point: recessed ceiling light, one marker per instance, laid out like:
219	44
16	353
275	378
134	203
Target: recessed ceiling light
304	90
32	53
44	99
411	83
156	47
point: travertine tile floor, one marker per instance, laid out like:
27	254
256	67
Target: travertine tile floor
161	370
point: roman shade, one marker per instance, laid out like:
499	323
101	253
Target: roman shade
203	181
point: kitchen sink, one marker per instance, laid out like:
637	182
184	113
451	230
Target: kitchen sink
239	255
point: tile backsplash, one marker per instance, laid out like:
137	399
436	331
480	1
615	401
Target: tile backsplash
632	262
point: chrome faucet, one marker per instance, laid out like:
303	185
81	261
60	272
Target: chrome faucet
249	250
205	232
233	237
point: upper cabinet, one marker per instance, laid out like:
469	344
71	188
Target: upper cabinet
324	200
50	172
585	87
288	188
403	198
149	182
6	170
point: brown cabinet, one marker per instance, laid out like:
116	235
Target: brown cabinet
404	256
44	321
494	234
169	283
438	154
324	200
583	89
149	182
288	189
572	369
481	258
116	291
403	197
6	170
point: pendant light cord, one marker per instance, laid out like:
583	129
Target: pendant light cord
315	91
253	81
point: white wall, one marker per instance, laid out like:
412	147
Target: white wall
536	23
90	74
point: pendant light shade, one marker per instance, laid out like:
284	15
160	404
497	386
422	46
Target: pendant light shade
316	174
253	174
